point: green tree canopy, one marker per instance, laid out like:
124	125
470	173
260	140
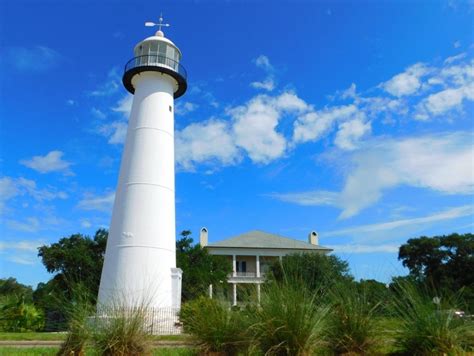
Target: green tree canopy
445	262
11	287
77	259
200	269
315	270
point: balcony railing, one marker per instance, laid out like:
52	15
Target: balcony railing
246	275
153	60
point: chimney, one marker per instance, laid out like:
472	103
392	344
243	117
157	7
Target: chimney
313	238
203	237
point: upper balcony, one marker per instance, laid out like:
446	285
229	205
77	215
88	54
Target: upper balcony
155	63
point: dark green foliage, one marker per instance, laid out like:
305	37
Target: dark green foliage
429	326
199	267
76	259
352	326
10	287
442	261
216	327
313	270
18	316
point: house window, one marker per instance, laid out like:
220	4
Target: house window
241	266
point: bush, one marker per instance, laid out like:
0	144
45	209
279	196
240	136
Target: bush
122	331
215	325
428	325
18	316
289	321
352	326
78	312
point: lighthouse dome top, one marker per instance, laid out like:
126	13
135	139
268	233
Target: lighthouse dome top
150	42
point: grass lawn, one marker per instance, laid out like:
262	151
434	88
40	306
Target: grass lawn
44	336
50	351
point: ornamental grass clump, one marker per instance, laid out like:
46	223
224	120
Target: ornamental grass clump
289	321
428	323
122	331
217	327
352	326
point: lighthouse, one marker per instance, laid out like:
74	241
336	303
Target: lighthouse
140	259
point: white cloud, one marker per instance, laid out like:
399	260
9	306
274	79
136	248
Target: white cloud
97	202
362	249
351	132
205	141
457	44
314	124
263	62
448	214
268	84
32	59
442	163
408	82
124	105
51	162
25	245
255	123
85	224
116	132
98	113
13	187
444	101
30	224
110	86
183	108
455	58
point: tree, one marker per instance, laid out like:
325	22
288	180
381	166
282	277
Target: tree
315	270
10	287
77	259
200	269
445	262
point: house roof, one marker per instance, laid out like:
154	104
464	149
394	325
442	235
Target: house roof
261	239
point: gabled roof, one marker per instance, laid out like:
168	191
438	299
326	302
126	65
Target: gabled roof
261	239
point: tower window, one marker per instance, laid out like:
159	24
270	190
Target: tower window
171	109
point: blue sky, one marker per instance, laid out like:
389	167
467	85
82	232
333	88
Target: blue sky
350	118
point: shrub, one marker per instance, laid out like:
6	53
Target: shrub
78	312
428	326
18	316
215	325
122	331
289	321
352	326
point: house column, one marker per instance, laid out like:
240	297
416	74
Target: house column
210	291
258	293
234	302
234	265
258	266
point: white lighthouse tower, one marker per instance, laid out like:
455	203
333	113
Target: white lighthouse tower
140	259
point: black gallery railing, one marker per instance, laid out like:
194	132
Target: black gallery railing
156	61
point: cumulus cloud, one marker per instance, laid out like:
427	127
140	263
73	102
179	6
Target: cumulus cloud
314	124
51	162
208	141
255	125
268	83
116	131
124	105
442	163
183	108
351	132
408	82
102	202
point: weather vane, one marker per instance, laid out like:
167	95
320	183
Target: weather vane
159	24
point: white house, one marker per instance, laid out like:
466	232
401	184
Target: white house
251	254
